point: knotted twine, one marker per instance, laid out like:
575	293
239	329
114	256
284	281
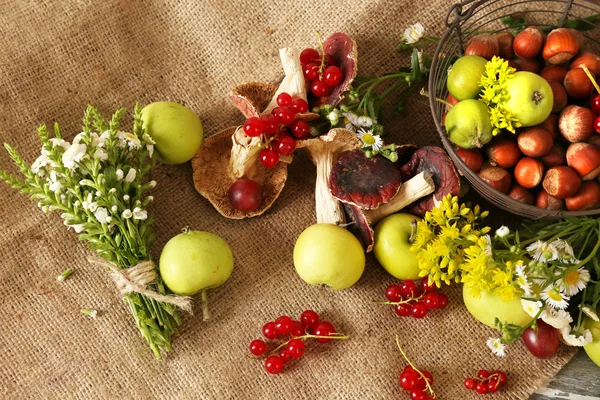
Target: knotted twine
136	280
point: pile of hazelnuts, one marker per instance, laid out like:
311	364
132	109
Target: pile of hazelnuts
554	165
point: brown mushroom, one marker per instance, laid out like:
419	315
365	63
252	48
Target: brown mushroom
343	49
435	161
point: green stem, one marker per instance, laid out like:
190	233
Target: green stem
205	312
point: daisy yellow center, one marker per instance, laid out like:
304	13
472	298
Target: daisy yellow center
368	139
572	277
555	295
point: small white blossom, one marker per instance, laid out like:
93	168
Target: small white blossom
60	142
102	139
101	215
126	197
55	184
413	33
148	139
522	279
502	231
150	148
574	280
334	117
114	209
73	155
100	154
532	307
375	142
140	214
488	245
79	137
45	209
119	173
77	203
364	121
578	339
93	206
112	191
98	193
40	162
133	142
109	219
543	251
152	184
78	228
558	319
555	297
590	313
150	199
127	214
497	347
131	175
565	250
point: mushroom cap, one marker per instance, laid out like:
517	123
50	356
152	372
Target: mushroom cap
364	182
435	161
405	152
361	226
213	176
343	49
337	140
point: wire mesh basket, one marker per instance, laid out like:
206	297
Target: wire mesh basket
471	17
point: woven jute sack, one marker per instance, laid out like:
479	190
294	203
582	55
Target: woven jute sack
58	56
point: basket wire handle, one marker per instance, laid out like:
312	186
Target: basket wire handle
460	16
565	13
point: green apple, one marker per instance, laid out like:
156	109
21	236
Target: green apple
593	349
176	129
326	254
464	77
530	98
468	124
392	246
489	306
193	261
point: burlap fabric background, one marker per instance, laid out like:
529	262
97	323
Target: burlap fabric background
56	57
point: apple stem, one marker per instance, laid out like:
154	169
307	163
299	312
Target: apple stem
413	231
205	312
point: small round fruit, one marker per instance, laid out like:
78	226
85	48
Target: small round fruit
332	76
270	124
284	325
296	348
531	98
535	141
284	115
311	71
393	293
301	129
481	388
560	96
274	364
471	157
544	342
468	124
309	55
469	383
309	319
319	88
402	310
258	347
586	198
176	129
483	45
561	45
519	193
529	172
285	144
408	289
489	306
195	261
503	153
561	182
330	255
299	106
584	158
528	43
463	79
496	177
268	157
392	246
324	328
245	195
269	330
284	99
254	126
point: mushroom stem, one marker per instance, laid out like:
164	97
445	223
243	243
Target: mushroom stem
329	209
244	154
416	187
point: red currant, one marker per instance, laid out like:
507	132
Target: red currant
254	126
296	348
285	356
268	158
299	106
408	368
274	364
442	300
418	394
270	331
245	195
431	300
332	76
319	88
284	99
426	287
402	310
481	388
283	115
418	310
258	347
595	104
297	329
309	319
329	60
408	289
285	145
309	55
284	325
409	379
301	129
596	124
469	383
311	71
493	387
483	374
324	328
270	123
428	376
501	377
393	293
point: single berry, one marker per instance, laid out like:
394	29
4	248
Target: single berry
258	347
428	376
245	195
469	383
284	99
284	325
596	124
285	356
309	319
595	104
283	115
418	394
409	380
442	300
285	145
481	387
297	329
408	368
418	310
483	374
296	348
268	158
311	71
270	331
493	386
431	300
254	127
299	106
270	124
300	129
332	76
274	364
426	287
402	310
319	88
309	55
501	376
324	328
408	289
393	293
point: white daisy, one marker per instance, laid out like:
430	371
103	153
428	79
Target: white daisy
564	249
555	297
413	33
497	347
573	338
590	313
574	280
502	231
522	280
375	142
559	319
543	251
532	307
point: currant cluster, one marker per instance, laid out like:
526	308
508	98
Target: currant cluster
486	381
595	107
415	298
416	382
280	128
320	71
308	327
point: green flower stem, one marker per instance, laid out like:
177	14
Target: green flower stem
205	311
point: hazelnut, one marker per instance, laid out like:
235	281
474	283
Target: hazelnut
505	41
561	45
529	172
484	45
503	153
560	96
586	198
551	125
584	158
519	193
577	84
547	202
554	73
556	157
471	157
498	178
561	182
575	123
535	141
590	60
528	42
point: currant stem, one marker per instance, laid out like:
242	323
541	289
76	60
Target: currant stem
415	368
337	336
205	312
322	66
397	303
